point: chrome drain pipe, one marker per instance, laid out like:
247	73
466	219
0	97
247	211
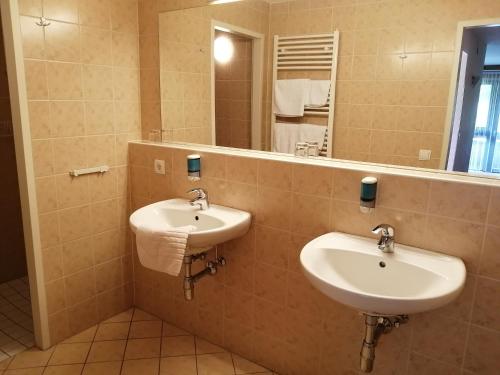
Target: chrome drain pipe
369	342
374	327
190	279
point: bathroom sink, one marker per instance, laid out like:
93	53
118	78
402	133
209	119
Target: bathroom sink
213	226
353	271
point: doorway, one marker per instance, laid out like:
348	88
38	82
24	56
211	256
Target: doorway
16	321
237	73
474	145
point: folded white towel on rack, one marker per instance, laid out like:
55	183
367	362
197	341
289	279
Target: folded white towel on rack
312	133
290	96
318	93
285	137
162	249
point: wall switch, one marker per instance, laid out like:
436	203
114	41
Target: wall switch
159	166
424	155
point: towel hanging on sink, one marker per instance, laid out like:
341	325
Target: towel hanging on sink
162	249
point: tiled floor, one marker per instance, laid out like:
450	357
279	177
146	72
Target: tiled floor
16	322
131	343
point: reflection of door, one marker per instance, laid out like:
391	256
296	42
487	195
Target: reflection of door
473	54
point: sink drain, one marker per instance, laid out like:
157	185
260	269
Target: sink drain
382	264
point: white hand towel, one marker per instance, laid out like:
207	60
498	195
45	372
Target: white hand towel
285	137
163	249
318	93
312	133
290	96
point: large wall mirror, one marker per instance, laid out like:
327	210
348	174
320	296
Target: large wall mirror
408	83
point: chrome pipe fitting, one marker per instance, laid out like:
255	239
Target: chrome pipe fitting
374	327
190	279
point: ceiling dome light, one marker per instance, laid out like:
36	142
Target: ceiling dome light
223	49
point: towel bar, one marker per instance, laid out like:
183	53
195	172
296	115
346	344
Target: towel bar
80	172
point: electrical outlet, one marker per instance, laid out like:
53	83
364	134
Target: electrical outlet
424	155
159	166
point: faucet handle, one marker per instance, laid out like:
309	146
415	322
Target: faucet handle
386	230
200	193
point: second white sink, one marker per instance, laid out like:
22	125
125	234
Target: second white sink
353	271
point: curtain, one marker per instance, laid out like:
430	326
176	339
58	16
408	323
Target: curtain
485	153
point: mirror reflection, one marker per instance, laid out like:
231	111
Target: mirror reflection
383	82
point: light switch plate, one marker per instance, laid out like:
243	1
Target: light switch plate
159	166
424	155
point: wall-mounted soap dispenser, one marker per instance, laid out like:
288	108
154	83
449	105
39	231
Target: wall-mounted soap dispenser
368	194
194	167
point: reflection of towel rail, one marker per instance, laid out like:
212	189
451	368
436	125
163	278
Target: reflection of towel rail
300	55
81	172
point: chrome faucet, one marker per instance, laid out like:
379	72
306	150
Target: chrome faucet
386	241
201	198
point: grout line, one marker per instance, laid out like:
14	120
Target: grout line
128	335
161	344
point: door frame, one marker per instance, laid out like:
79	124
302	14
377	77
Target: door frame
461	26
257	78
26	176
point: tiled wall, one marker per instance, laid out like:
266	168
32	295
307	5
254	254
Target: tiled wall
12	253
83	88
233	92
261	306
185	89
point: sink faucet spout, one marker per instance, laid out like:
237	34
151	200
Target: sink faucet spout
386	241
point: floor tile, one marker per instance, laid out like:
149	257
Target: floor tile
145	329
177	345
206	347
112	331
140	315
215	364
65	354
244	366
178	365
125	316
171	330
85	336
143	348
106	351
141	367
64	370
16	322
31	358
25	371
102	368
111	348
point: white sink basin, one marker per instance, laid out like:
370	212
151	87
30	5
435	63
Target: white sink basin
353	271
213	226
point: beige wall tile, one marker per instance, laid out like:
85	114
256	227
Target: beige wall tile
490	259
459	201
64	80
61	10
62	42
80	287
77	256
74	223
36	79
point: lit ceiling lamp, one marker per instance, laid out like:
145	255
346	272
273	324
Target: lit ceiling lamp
214	2
223	49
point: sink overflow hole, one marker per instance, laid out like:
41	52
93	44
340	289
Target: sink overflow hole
382	264
196	218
